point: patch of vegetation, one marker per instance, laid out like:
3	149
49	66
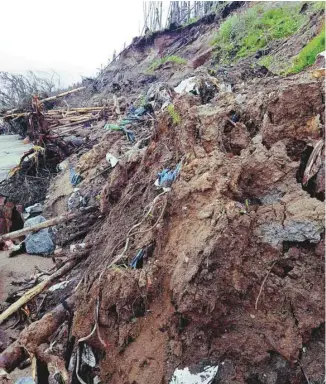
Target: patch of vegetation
166	59
176	118
266	61
243	34
307	55
318	5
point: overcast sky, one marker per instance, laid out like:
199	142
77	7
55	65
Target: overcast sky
71	37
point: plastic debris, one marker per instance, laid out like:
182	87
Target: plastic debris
63	165
160	95
75	177
115	127
186	86
112	160
75	200
167	177
31	210
77	247
88	356
58	286
41	242
205	86
135	262
184	376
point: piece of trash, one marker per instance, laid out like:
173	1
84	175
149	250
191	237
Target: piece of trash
77	247
136	261
167	176
41	242
114	127
160	95
32	210
111	159
63	165
184	376
88	357
75	177
75	200
186	86
58	286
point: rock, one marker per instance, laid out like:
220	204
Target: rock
41	242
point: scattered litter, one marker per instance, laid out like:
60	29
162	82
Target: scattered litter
58	286
32	210
167	177
186	86
87	356
111	159
77	247
10	246
160	95
204	86
135	262
75	177
63	165
41	242
75	200
184	376
115	127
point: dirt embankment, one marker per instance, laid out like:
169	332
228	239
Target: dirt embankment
235	272
232	272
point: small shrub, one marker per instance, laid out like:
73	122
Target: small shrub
307	55
176	118
243	34
174	59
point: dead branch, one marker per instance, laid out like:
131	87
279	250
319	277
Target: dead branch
49	223
29	295
62	94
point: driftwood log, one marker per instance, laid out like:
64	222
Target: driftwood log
32	337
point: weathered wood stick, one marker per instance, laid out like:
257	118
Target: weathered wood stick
45	224
62	94
30	294
36	334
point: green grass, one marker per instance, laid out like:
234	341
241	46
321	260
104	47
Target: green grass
176	118
166	59
243	34
318	5
307	55
266	61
